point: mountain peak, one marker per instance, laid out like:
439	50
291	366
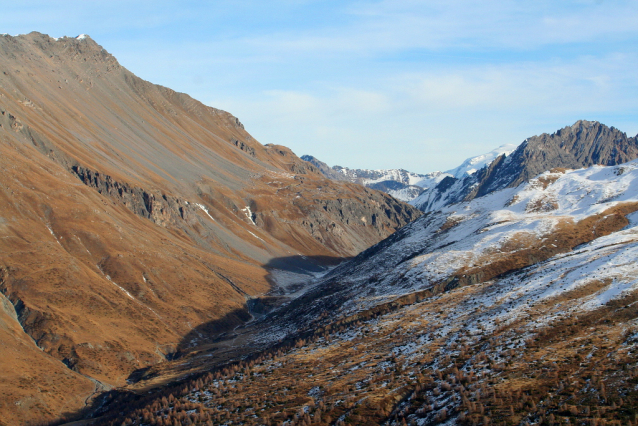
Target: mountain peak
585	123
38	36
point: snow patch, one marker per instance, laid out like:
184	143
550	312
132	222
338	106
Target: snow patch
249	215
474	164
205	210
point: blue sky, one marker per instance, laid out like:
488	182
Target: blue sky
419	85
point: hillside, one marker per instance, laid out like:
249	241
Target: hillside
132	215
518	307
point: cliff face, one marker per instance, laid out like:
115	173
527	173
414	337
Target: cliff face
130	214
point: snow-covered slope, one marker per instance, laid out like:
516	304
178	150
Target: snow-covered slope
519	307
583	144
473	164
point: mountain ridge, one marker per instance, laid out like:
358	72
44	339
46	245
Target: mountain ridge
402	184
587	143
583	144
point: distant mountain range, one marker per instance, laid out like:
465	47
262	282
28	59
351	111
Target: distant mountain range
402	184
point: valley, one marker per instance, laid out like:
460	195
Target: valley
133	216
160	266
547	343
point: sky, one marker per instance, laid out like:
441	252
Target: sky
419	85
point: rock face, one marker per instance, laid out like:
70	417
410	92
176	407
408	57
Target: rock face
583	144
131	214
333	173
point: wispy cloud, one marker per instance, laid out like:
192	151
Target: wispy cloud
379	27
473	108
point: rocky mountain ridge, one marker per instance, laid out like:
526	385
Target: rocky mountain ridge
583	144
399	183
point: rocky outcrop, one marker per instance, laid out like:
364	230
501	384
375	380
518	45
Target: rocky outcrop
161	209
329	172
378	213
583	144
243	146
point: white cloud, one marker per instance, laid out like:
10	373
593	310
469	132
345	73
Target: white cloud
583	85
377	27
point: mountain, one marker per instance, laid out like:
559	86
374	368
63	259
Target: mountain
400	183
518	307
583	144
133	216
160	266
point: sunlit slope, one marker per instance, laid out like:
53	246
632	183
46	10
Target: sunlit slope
489	236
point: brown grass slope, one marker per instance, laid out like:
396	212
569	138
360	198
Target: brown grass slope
130	214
